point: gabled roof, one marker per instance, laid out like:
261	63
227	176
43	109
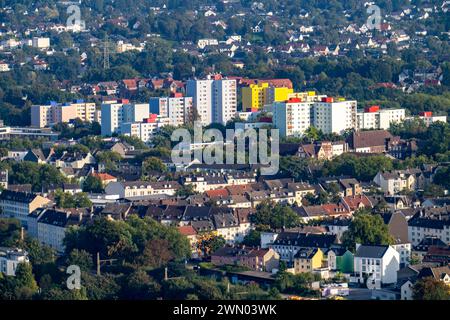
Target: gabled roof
187	231
196	213
369	251
202	226
372	138
437	273
217	193
305	240
306	253
103	176
16	196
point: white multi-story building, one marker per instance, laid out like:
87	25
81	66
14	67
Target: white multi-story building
214	99
114	114
19	205
10	259
334	116
374	118
404	252
45	115
428	118
421	227
292	117
4	67
144	130
177	108
380	263
136	189
51	225
202	43
298	113
224	100
40	43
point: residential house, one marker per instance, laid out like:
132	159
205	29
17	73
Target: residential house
3	179
19	205
122	148
429	222
10	259
381	263
190	233
398	229
38	155
346	186
287	244
308	259
105	178
136	189
52	225
440	255
353	203
373	141
329	210
340	259
322	149
256	259
73	160
336	226
438	273
392	182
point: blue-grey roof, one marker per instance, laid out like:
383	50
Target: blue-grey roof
369	251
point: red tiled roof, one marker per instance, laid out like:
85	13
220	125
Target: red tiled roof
218	193
355	201
130	83
332	209
103	176
187	231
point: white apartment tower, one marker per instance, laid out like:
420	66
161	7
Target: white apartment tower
334	116
292	117
177	108
214	99
114	114
374	118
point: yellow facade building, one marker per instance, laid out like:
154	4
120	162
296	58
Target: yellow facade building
306	260
256	96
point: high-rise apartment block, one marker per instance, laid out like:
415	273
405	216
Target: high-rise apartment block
295	115
177	108
214	99
46	115
114	114
334	116
257	95
144	129
375	118
292	117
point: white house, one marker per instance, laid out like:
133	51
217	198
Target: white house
381	263
10	258
52	226
134	189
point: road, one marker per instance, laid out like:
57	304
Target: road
359	294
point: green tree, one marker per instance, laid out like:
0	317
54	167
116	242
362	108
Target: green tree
140	286
80	258
109	159
92	184
430	289
276	216
366	228
152	165
186	190
253	238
